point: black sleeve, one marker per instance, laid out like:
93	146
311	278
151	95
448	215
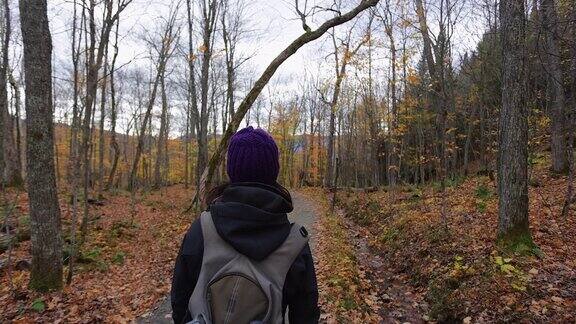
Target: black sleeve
186	272
302	290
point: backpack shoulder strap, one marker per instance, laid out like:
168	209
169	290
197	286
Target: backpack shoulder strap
214	245
279	262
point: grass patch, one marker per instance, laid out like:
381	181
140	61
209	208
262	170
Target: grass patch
119	257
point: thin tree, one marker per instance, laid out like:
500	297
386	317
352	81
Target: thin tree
11	174
113	113
74	157
193	113
209	10
549	18
95	58
15	84
101	139
343	54
168	39
161	152
571	117
393	156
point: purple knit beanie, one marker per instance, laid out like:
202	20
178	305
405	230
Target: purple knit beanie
252	157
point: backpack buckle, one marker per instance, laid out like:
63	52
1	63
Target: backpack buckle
303	231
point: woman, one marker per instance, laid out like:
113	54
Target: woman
250	214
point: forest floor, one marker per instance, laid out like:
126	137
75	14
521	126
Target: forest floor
125	268
126	264
381	257
431	268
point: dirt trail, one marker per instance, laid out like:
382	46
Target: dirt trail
303	214
397	303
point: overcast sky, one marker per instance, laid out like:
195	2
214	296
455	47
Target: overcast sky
272	25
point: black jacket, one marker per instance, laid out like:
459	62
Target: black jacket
253	219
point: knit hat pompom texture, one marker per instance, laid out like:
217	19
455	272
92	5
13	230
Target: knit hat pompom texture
253	157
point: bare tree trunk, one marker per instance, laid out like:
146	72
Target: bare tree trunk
330	159
571	120
46	270
17	107
393	163
192	95
11	174
164	53
468	144
95	57
557	115
340	64
209	14
113	114
513	227
74	157
438	100
101	140
158	181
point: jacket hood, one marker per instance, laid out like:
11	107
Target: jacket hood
252	217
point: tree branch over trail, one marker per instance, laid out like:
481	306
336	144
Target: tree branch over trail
261	83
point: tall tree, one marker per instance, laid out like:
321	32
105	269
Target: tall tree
571	116
513	226
193	114
163	48
549	18
343	53
113	113
94	59
101	139
393	154
46	270
209	9
161	152
9	161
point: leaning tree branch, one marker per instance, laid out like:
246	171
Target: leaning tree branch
251	97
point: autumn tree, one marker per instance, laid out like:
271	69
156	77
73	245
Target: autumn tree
97	38
344	52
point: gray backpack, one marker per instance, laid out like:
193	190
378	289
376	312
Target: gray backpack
234	289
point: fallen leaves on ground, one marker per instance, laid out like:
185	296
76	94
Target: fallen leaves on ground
346	294
452	268
128	268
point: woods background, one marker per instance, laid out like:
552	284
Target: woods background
395	96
